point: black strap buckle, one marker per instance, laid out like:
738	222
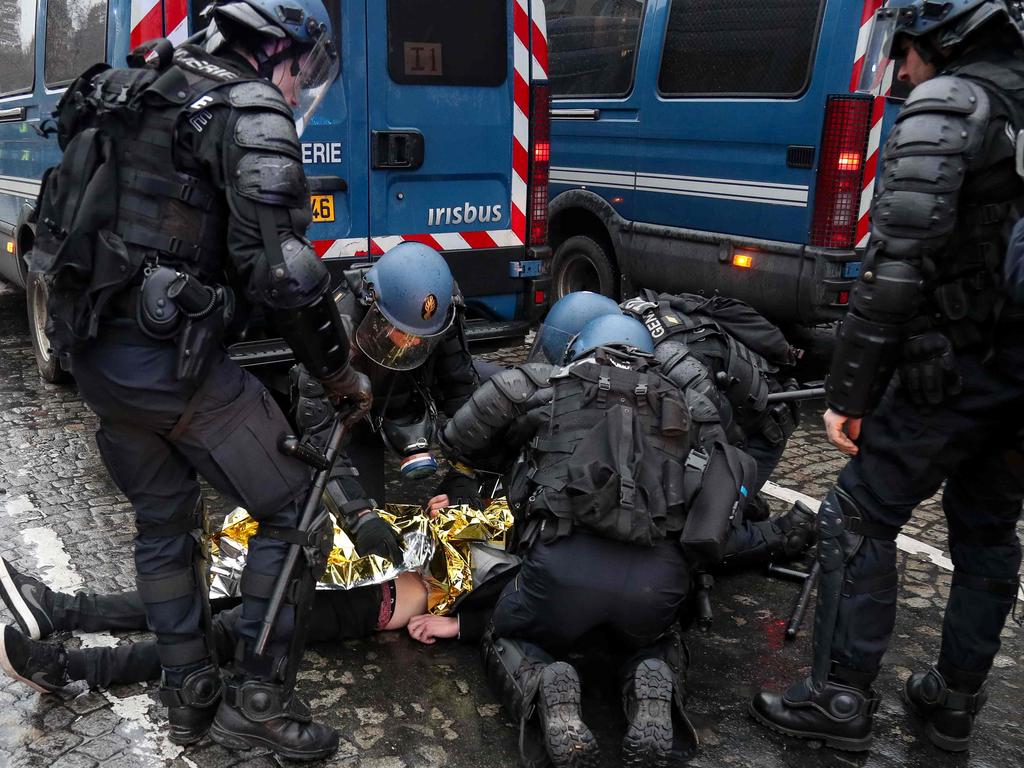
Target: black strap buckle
604	384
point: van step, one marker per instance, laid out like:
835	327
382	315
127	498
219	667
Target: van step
486	332
265	352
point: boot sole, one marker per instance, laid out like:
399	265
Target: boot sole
186	740
241	741
22	613
648	740
569	741
940	740
835	742
5	664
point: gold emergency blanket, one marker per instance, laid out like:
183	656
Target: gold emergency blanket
437	547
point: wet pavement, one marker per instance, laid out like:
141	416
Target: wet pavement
399	704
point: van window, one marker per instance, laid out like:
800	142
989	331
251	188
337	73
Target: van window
18	47
81	21
448	42
739	47
593	46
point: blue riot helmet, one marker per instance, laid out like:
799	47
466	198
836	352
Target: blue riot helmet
932	26
618	331
306	26
564	320
411	297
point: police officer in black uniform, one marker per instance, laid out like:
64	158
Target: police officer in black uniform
601	497
211	199
930	306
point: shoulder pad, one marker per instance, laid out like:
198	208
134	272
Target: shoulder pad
950	95
538	373
258	94
702	409
931	131
517	384
272	179
269	131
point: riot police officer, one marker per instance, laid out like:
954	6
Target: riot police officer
930	305
611	468
723	349
211	199
406	315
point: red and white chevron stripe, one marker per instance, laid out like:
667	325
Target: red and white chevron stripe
877	114
158	18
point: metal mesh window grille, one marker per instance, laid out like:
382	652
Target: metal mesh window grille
739	47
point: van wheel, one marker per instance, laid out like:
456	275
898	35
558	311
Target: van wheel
48	363
583	264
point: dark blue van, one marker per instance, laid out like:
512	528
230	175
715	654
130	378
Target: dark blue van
713	145
436	131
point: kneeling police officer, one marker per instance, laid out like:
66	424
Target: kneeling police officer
612	467
209	199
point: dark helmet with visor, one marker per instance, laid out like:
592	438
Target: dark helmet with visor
306	26
564	320
931	26
412	300
616	331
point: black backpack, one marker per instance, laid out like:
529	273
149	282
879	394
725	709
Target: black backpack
84	262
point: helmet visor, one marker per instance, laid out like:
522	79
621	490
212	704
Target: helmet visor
317	70
879	51
550	345
392	348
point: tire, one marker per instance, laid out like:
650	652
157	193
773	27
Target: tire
583	264
48	364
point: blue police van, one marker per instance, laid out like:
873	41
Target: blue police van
714	145
436	131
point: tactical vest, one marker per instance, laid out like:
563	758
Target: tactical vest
740	373
120	198
966	284
611	457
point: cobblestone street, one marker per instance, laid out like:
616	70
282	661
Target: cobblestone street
399	704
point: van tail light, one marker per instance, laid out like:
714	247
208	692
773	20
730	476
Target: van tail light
540	163
844	147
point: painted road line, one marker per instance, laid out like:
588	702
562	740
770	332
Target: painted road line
904	543
54	564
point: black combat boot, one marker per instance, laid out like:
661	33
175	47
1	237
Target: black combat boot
569	741
254	713
839	715
191	699
796	532
948	703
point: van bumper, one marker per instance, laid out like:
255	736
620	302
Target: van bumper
787	282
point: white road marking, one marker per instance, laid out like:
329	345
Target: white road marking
54	564
904	543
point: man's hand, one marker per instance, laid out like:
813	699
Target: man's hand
427	627
373	536
350	387
842	431
436	504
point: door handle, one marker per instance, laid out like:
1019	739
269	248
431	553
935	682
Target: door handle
397	150
575	114
12	115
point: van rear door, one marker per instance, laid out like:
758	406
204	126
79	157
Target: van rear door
441	126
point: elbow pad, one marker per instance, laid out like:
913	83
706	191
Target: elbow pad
316	333
888	292
863	364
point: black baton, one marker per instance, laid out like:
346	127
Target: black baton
288	445
802	602
796	394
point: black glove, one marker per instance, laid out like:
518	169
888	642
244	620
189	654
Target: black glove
461	488
928	371
373	536
350	387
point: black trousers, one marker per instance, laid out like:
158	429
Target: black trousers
336	615
231	441
582	582
906	453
